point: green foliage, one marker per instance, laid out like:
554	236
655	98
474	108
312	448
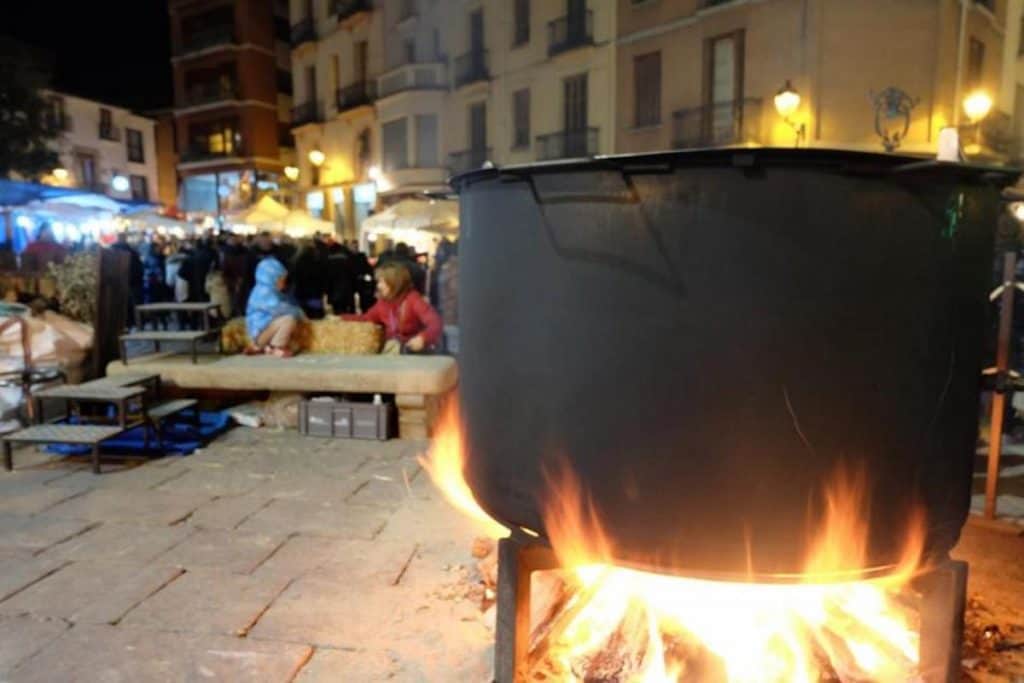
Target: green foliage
25	132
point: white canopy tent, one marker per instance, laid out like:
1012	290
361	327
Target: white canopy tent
152	221
298	224
417	222
266	210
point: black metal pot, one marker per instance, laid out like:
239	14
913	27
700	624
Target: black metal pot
706	336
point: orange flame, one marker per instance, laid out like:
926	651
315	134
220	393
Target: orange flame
658	628
445	462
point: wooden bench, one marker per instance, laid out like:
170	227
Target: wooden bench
88	435
157	337
157	413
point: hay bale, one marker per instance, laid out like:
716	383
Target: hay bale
330	335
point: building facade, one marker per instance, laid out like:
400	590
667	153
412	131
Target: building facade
103	148
232	100
871	75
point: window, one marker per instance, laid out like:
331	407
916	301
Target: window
218	138
393	144
335	73
521	23
140	187
106	124
426	141
574	103
724	79
409	51
975	63
136	153
647	89
437	45
55	118
86	170
521	118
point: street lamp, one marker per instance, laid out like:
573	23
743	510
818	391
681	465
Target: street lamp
291	173
316	158
60	174
977	106
787	101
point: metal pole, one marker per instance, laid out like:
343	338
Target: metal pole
995	437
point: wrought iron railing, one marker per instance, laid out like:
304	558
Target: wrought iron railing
715	125
207	93
468	159
58	122
343	9
570	31
303	32
207	37
307	112
413	76
471	67
199	152
356	95
567	144
110	132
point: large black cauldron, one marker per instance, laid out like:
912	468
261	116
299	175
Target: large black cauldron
707	335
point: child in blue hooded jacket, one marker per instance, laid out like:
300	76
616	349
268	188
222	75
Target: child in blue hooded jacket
270	317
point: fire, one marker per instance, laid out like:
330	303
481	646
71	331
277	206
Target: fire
445	463
620	624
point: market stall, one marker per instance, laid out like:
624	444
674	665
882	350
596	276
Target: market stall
420	223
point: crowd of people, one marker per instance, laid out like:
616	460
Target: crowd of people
273	281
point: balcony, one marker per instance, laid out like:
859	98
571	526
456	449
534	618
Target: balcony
990	5
471	67
717	125
346	9
303	32
111	133
359	94
197	153
58	122
407	10
306	113
417	76
567	144
206	38
208	93
468	160
993	138
570	32
707	4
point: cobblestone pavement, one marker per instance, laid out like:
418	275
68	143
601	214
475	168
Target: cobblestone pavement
267	556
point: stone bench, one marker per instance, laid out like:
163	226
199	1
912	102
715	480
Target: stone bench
419	383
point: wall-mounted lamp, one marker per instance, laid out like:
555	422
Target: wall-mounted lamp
291	173
787	101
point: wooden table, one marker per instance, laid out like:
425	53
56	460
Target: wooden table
95	392
88	435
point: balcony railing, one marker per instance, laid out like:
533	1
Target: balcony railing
303	32
716	125
307	112
468	159
425	76
345	9
569	32
567	144
207	37
58	123
358	94
112	133
207	93
471	67
993	136
705	4
194	153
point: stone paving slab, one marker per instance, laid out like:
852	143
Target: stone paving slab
17	574
213	482
382	563
331	666
23	479
128	543
38	532
229	511
135	476
331	519
36	499
207	601
118	655
131	506
91	592
21	637
233	551
311	489
384	490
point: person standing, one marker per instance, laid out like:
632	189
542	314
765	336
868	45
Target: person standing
43	251
135	273
234	262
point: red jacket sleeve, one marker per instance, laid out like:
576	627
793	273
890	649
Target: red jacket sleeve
371	316
429	319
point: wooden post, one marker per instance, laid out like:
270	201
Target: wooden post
995	437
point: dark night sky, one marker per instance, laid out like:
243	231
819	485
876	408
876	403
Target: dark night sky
117	51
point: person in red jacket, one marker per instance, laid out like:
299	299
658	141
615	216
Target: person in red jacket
407	318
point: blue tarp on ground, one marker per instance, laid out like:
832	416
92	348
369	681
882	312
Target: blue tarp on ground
180	437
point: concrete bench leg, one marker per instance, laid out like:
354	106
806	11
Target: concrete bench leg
96	458
8	456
